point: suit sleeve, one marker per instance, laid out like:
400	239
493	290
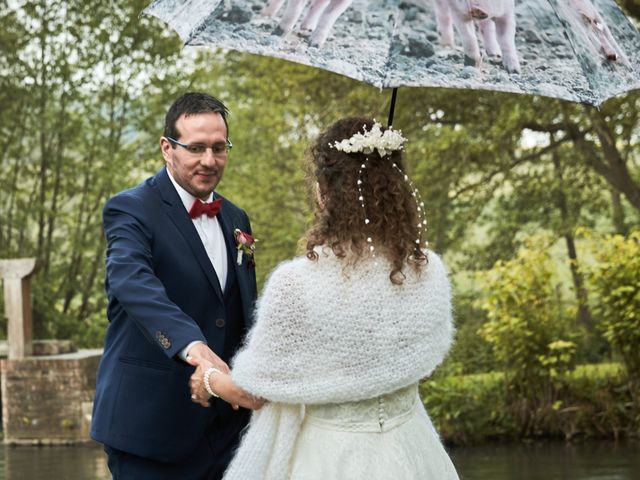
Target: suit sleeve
132	281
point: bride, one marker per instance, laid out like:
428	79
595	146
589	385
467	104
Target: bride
344	334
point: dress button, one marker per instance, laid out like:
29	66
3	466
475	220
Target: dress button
220	322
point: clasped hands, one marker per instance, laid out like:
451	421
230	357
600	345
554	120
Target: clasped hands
203	358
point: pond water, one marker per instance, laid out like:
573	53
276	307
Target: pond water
53	463
549	461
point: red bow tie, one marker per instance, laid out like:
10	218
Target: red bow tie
210	209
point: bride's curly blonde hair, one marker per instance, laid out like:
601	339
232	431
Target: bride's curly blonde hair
388	197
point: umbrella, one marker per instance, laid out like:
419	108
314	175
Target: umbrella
577	50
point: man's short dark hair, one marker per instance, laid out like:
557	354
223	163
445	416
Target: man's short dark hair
192	103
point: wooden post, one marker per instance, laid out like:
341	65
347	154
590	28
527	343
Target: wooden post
17	303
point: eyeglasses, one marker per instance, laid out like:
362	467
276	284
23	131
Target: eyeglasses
219	149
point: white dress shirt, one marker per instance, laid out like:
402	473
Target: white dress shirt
212	238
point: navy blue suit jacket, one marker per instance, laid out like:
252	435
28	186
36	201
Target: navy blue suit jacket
163	294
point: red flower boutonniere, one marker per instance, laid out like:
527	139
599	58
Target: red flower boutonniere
245	244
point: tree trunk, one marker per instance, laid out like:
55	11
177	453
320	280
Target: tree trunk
606	161
88	288
53	210
10	190
68	281
13	194
44	93
615	169
617	213
584	315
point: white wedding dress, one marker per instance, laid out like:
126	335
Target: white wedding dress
388	437
327	347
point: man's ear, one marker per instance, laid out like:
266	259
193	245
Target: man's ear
165	148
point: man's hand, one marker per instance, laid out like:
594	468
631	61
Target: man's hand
222	384
201	353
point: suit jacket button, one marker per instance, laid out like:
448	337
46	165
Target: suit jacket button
220	323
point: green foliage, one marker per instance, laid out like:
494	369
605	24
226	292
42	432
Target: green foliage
595	401
3	319
468	409
616	279
84	89
470	352
559	357
72	100
527	323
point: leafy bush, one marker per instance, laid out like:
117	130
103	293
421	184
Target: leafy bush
468	409
616	280
594	401
470	352
527	323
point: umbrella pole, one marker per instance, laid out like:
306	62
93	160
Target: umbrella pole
392	107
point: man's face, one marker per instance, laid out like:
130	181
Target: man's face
198	174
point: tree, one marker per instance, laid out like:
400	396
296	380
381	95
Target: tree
76	85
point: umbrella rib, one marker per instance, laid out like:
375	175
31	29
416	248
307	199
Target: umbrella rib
202	23
181	15
387	70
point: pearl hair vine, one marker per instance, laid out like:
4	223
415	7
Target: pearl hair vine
384	142
422	223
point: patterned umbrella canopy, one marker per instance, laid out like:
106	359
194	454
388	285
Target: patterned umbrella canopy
578	50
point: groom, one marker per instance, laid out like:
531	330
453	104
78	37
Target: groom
176	292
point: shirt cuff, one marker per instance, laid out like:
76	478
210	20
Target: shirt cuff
183	353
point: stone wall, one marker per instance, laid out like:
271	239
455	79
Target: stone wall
48	400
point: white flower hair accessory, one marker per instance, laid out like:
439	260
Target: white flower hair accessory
370	140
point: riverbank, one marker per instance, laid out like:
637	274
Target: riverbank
593	402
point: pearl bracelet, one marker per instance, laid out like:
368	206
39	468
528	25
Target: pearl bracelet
207	374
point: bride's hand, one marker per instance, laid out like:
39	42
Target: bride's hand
222	385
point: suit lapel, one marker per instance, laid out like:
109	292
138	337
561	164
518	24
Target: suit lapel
175	210
226	223
228	226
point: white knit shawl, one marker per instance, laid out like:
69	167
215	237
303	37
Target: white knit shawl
329	334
